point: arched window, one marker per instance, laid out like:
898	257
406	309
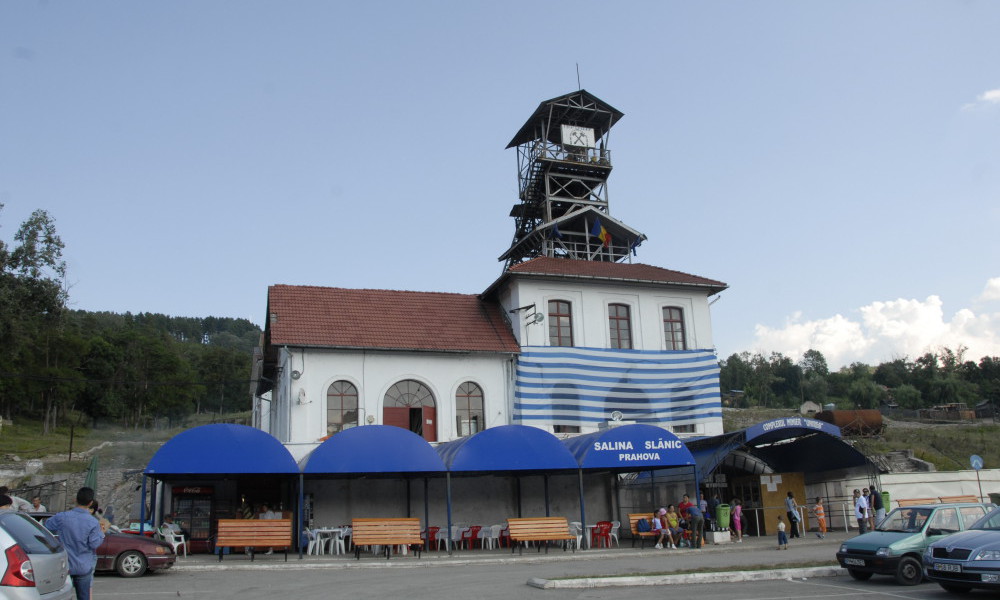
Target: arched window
620	324
469	409
673	328
341	407
560	323
410	405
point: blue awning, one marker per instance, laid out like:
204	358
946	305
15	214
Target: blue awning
629	448
507	448
222	449
373	449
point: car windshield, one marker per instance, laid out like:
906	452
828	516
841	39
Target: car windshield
990	522
907	520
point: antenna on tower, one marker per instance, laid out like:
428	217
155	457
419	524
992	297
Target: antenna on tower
578	85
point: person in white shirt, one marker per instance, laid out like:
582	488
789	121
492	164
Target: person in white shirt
267	513
19	503
861	511
37	506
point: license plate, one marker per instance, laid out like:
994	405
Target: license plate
948	567
854	562
991	578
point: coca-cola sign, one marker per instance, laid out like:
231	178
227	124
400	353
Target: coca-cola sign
192	489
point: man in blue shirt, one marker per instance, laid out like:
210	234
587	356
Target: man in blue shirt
81	535
696	521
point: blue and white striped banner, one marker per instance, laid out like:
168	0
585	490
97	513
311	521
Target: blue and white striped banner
582	386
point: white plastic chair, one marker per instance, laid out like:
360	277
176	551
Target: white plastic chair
315	544
576	528
490	536
615	525
174	539
337	543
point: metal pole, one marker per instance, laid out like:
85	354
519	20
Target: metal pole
546	479
448	536
302	499
409	500
517	480
142	507
427	517
583	508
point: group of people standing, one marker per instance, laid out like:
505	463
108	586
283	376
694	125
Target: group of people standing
869	508
793	513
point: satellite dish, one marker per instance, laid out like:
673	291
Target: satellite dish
296	374
536	318
617	415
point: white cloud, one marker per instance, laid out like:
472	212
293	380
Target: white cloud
887	330
986	98
991	291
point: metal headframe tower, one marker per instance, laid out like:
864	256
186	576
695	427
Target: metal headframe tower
563	165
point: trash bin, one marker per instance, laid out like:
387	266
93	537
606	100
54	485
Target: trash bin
995	498
885	501
722	517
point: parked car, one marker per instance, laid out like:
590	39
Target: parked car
897	544
33	564
129	555
966	560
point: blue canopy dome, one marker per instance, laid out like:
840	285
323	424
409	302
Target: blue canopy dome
507	448
373	449
222	448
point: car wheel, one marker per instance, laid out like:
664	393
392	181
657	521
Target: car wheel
955	589
859	575
909	571
131	564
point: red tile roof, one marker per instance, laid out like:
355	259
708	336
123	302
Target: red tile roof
385	319
633	272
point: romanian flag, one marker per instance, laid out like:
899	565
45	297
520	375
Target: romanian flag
599	231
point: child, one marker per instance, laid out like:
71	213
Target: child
820	513
738	519
782	538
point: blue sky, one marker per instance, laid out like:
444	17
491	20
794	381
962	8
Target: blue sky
837	163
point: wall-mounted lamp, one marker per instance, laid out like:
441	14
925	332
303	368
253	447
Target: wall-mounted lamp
296	374
370	419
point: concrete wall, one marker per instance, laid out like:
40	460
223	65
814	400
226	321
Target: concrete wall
476	500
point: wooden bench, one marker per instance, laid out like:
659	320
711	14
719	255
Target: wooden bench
538	529
633	521
254	533
386	533
959	499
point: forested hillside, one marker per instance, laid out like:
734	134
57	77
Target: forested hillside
58	364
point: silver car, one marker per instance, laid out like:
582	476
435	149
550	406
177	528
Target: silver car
33	564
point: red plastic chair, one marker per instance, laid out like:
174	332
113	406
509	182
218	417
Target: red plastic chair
601	535
431	541
470	535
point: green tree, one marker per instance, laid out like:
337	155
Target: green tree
32	299
907	396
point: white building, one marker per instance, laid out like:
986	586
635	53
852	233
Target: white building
570	336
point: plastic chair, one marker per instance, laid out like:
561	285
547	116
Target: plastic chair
174	539
615	526
337	543
470	535
493	537
315	545
576	529
431	539
504	538
601	536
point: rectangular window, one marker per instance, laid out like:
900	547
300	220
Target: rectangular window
673	328
620	325
560	323
565	429
689	428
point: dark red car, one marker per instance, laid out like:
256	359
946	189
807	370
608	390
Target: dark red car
128	555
